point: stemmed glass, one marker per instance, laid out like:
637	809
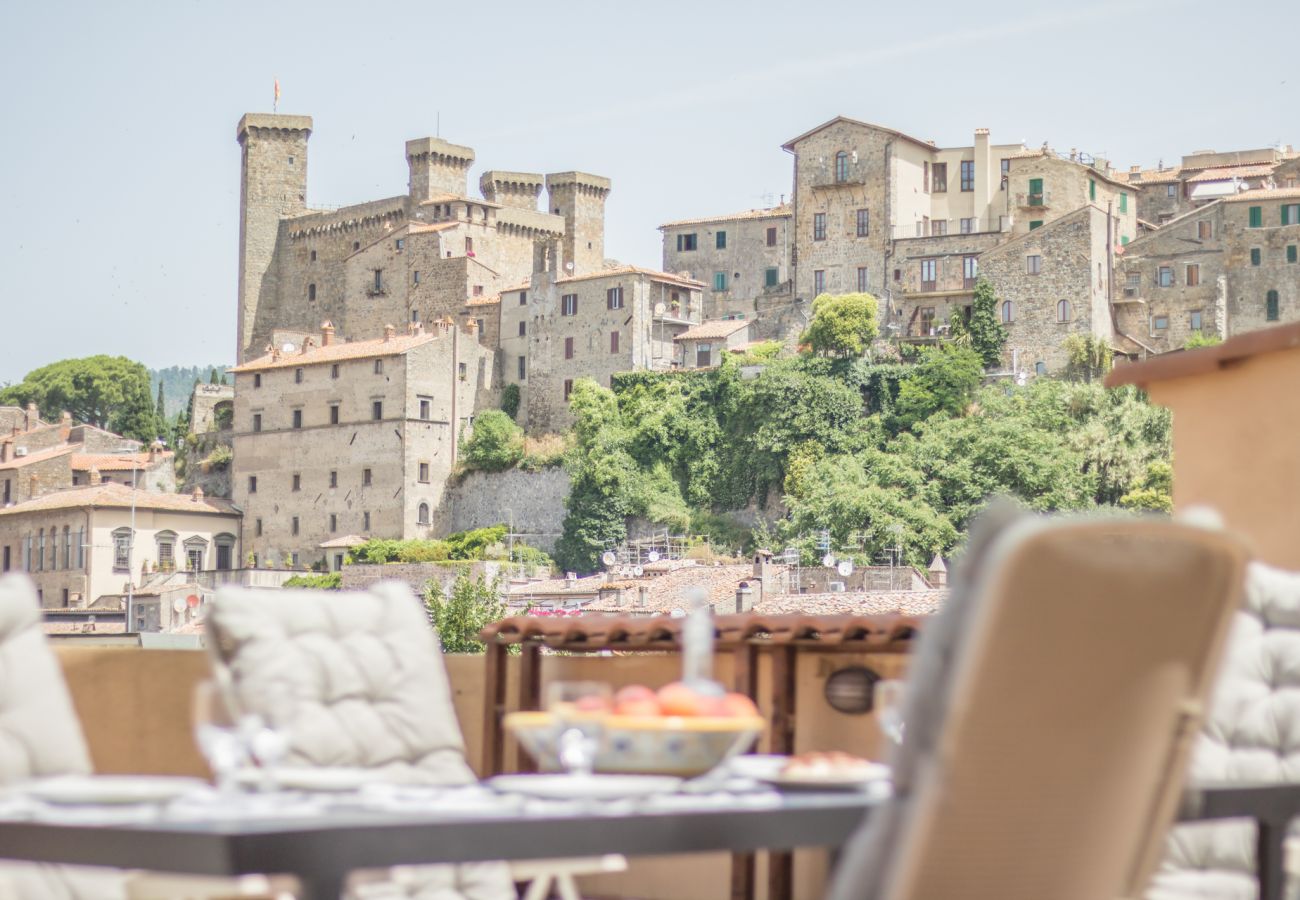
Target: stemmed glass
888	704
579	708
216	730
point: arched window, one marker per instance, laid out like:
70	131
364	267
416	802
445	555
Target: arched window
1008	311
1270	306
1063	311
841	166
1040	367
422	515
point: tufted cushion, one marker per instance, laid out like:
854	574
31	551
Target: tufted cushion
353	679
1252	734
40	735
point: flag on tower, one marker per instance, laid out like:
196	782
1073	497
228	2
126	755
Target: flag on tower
276	105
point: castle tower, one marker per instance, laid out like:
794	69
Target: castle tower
437	167
516	189
580	198
273	184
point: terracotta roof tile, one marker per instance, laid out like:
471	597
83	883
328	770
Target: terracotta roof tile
1223	173
36	456
493	300
1155	176
395	346
772	212
348	540
116	462
858	603
120	496
633	270
1264	194
718	328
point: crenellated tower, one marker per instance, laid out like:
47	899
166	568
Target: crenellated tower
273	184
516	189
580	199
437	167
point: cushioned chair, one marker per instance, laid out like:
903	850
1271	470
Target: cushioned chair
1050	713
368	689
39	736
1252	734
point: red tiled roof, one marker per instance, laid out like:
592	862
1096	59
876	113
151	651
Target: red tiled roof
773	212
394	346
35	456
119	496
718	328
1264	194
116	462
633	270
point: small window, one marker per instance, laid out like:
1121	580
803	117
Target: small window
379	367
1063	311
1257	217
297	481
819	282
771	277
1204	229
252	484
862	279
819	226
967	226
257	379
415	315
970	271
614	298
523	368
334	522
469	246
1123	202
719	281
1194	320
1008	311
462	370
568	389
334	371
968	174
523	298
356	245
863	222
379	281
422	514
686	242
1040	368
311	293
841	167
313	256
479	325
424	473
1006	174
939	227
415	276
1291	253
297	418
568	348
929	273
377	410
365	521
1271	306
1035	224
257	527
1256	256
334	478
297	376
1291	213
569	305
426	407
720	240
1165	276
366	478
523	329
400	243
940	178
1092	189
925	177
771	236
1171	191
1033	264
613	342
1193	275
334	413
293	525
1159	323
257	421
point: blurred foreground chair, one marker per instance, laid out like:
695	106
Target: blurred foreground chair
39	736
368	689
1050	712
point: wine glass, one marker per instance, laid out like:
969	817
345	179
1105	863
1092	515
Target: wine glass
579	708
216	730
888	703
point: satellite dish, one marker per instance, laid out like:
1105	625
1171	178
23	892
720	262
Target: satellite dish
286	347
678	613
178	605
660	308
845	567
568	267
828	560
608	558
638	571
653	556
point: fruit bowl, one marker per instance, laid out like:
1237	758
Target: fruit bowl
644	745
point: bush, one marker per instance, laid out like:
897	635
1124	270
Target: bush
1198	339
460	617
510	401
545	451
496	444
329	582
842	325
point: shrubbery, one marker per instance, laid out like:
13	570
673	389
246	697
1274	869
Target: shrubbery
496	443
330	581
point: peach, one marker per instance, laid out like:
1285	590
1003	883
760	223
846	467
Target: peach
738	706
678	699
636	700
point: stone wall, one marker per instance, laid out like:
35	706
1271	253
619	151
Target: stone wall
204	402
360	578
745	259
533	501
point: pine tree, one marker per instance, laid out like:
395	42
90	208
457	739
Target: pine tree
160	408
212	377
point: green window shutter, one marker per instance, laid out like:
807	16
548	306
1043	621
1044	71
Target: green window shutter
1092	189
1256	216
1254	256
1290	253
1035	185
771	277
1123	202
1123	239
1037	223
721	241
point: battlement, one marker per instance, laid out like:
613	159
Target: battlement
271	123
578	182
515	189
437	167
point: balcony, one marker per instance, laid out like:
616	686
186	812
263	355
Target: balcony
1041	200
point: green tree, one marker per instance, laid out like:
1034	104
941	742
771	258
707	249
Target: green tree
212	377
460	616
1088	358
842	325
987	333
1198	339
510	400
110	392
496	443
945	380
160	408
330	581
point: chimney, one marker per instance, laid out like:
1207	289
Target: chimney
65	425
198	494
744	598
94	476
641	595
33	416
1134	170
307	343
326	333
571	580
389	331
938	572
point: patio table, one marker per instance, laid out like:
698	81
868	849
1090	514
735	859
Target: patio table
322	850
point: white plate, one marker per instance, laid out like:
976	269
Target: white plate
313	778
103	790
759	766
872	773
573	787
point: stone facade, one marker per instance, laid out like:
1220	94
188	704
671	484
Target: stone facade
300	266
743	260
210	403
1168	192
1214	270
532	502
353	438
706	344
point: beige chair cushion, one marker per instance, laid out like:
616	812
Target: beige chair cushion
366	686
1252	735
39	736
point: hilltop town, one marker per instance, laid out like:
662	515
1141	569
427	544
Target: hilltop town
414	369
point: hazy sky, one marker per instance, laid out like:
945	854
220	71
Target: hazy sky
119	171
